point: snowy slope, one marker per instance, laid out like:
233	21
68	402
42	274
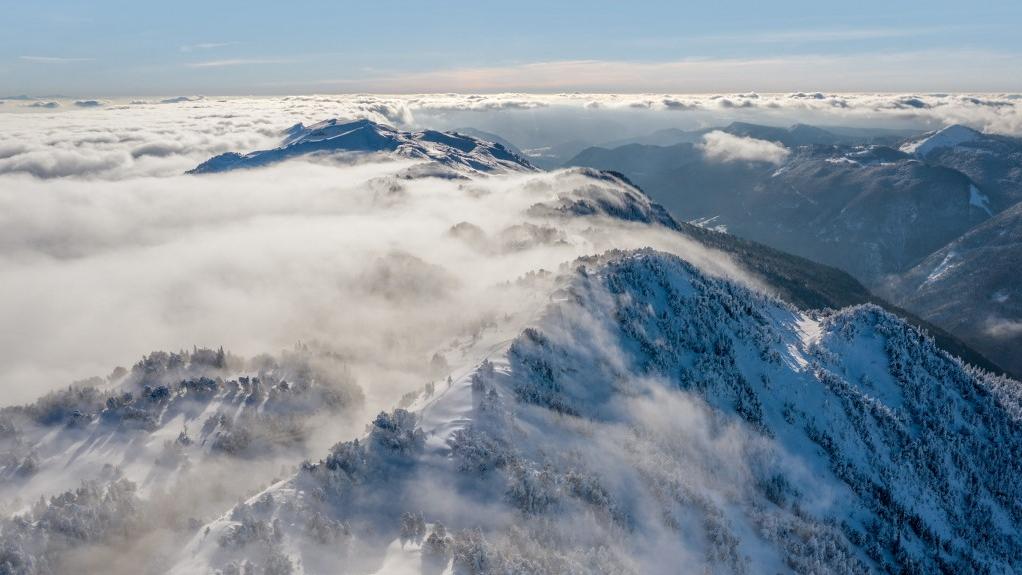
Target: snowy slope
456	151
653	417
157	451
170	417
949	137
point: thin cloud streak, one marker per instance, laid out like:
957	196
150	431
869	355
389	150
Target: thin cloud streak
235	62
794	36
52	59
833	35
207	46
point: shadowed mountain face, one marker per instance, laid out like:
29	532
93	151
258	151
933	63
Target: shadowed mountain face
972	287
875	211
871	211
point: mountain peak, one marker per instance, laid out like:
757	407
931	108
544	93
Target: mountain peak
948	137
459	152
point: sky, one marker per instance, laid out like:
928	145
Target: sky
110	48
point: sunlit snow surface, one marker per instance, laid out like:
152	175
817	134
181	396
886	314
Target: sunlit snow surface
946	138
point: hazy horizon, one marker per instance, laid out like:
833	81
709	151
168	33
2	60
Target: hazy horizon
109	48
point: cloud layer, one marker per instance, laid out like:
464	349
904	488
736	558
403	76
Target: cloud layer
108	251
164	136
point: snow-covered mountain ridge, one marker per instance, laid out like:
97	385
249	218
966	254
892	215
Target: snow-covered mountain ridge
655	416
948	137
458	152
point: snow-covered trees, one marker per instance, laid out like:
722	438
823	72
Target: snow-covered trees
413	526
928	447
654	416
436	549
532	491
742	432
397	431
92	514
478	451
393	441
225	415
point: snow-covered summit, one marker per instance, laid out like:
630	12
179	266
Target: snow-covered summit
456	151
948	137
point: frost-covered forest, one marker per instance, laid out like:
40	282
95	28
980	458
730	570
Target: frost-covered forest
658	417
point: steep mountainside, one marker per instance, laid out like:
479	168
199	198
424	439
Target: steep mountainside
972	287
653	416
490	137
810	285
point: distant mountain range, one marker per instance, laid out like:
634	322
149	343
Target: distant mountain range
821	201
875	210
559	154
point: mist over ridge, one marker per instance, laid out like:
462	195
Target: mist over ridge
354	344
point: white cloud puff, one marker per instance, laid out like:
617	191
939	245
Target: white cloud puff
1003	328
723	147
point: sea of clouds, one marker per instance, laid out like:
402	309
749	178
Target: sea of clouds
117	139
108	250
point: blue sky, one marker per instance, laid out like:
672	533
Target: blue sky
124	48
